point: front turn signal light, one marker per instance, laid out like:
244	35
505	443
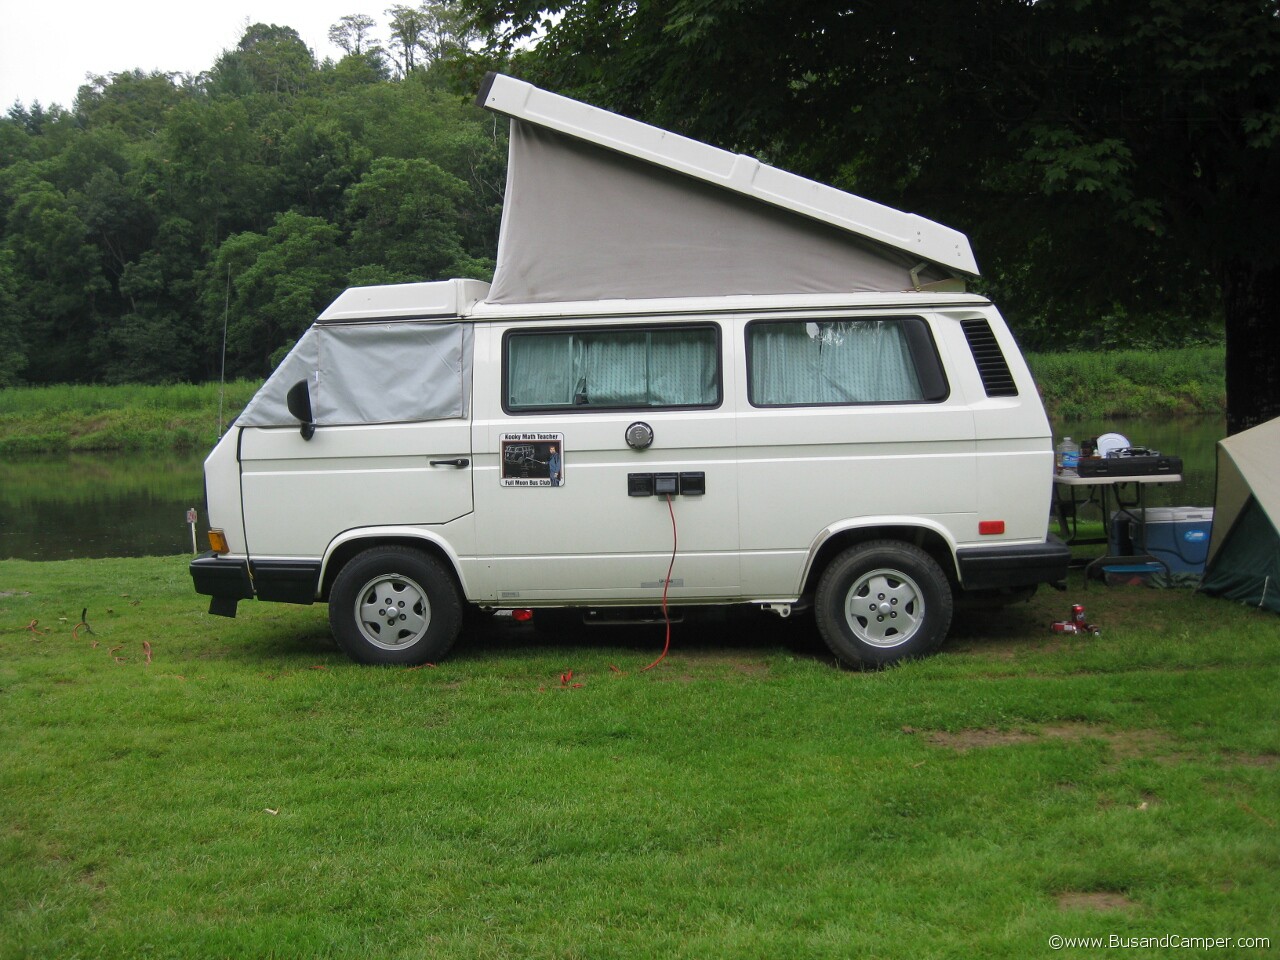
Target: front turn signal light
218	541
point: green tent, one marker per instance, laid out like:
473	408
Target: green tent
1244	550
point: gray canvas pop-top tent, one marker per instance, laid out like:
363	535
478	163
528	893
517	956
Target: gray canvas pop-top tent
1244	550
603	207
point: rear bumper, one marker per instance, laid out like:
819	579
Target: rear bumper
1018	565
228	580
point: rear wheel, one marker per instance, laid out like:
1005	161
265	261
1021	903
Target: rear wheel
881	602
395	605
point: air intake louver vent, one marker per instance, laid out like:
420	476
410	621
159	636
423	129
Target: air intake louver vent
996	378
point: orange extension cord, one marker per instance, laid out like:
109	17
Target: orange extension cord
665	584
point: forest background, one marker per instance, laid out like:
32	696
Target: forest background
1108	161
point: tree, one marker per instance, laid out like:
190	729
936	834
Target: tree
152	340
1101	153
270	286
449	33
133	102
349	33
268	59
407	27
211	170
13	357
55	278
430	33
404	218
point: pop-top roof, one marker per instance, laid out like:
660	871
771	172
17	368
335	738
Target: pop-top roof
405	301
575	168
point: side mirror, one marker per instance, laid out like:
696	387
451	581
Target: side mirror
298	400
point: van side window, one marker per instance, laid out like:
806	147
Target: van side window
807	362
612	368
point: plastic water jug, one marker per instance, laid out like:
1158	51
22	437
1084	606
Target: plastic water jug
1068	457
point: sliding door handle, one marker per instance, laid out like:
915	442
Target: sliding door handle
458	462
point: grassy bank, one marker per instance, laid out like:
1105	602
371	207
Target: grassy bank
69	418
1131	383
178	785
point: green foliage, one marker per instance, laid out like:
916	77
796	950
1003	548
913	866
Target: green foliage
403	217
119	220
179	785
12	321
267	60
278	282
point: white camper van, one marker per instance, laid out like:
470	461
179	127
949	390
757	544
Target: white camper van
694	380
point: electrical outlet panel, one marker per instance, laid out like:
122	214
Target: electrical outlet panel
689	484
693	484
639	484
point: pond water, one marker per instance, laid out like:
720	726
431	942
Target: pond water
120	505
100	505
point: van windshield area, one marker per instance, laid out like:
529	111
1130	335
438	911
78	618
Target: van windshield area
391	372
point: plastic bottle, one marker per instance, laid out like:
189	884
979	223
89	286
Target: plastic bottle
1068	457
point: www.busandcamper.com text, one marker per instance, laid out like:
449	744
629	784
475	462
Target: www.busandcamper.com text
1168	941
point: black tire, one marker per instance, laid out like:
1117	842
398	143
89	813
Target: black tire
881	602
395	605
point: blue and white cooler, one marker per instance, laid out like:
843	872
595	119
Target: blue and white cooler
1178	536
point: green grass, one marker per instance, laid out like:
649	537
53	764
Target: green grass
68	417
1131	383
250	793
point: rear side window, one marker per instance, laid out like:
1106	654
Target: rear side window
815	362
614	368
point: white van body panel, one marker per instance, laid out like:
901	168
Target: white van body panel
588	538
301	495
222	491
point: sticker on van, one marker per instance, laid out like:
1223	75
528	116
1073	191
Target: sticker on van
532	460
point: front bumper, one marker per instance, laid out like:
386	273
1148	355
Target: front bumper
228	580
224	579
1016	565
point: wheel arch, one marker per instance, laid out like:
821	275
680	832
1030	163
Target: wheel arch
352	543
833	541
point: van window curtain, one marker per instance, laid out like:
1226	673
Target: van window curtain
623	368
847	361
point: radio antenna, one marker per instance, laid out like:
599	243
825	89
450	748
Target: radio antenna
222	373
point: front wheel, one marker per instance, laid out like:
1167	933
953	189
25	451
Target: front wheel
881	602
395	605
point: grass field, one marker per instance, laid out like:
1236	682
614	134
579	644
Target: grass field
1131	383
72	417
178	785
